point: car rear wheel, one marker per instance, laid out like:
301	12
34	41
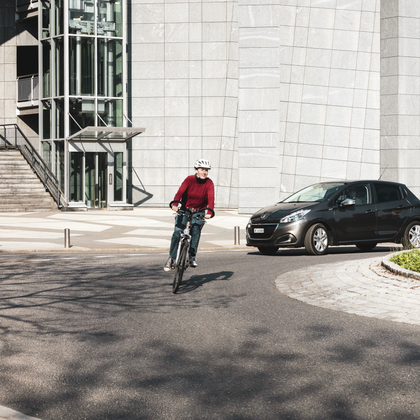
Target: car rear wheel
316	240
366	247
268	250
412	235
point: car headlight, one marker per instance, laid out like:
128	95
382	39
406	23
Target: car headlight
295	216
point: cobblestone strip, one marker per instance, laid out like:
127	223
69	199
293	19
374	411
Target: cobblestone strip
362	287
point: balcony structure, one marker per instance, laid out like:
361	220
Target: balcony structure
27	95
26	9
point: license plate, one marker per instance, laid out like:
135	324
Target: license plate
258	230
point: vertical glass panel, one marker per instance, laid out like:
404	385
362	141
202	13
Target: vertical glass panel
59	119
83	111
59	162
90	190
76	176
46	153
82	65
58	17
96	167
81	17
45	16
118	176
111	111
46	119
102	179
110	68
46	69
110	17
59	67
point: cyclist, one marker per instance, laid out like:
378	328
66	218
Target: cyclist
196	193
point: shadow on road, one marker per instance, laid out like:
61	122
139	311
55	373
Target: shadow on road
196	281
112	342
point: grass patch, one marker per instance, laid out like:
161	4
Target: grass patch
408	260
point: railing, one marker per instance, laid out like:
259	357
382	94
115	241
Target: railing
27	3
12	136
28	88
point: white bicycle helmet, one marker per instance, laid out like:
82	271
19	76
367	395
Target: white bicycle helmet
202	163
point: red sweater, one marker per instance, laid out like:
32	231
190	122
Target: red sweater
196	193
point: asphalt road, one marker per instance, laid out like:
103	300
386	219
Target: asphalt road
101	336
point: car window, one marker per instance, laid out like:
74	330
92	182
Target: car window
313	193
388	192
360	193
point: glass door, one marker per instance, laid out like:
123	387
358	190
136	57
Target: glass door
96	167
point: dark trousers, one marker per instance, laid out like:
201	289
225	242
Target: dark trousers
195	232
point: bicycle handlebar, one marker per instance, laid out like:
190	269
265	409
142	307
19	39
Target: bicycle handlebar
182	211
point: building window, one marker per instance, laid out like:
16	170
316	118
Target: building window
118	176
110	18
82	66
76	176
46	69
111	112
46	119
110	67
82	112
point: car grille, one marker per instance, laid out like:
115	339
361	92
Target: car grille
268	231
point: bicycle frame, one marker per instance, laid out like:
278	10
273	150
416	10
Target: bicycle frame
185	236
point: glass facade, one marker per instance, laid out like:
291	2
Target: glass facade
82	62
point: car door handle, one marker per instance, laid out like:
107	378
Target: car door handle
401	206
370	211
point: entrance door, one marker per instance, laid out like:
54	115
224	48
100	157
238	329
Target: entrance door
96	164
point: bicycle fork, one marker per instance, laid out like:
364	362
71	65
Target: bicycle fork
185	236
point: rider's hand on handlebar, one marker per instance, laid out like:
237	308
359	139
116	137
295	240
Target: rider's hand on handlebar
175	208
207	216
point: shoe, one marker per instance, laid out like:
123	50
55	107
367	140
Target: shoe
193	262
169	264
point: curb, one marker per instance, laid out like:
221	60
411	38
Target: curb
396	269
113	250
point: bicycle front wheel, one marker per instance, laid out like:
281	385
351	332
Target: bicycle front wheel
180	267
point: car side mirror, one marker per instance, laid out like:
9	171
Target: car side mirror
347	202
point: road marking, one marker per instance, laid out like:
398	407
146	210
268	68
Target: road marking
9	414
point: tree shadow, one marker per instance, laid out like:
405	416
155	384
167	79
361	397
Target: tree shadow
110	341
196	281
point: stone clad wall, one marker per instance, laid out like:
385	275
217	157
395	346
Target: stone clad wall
8	44
309	89
400	84
184	88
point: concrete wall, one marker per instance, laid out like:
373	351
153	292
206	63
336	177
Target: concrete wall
184	87
8	43
12	35
400	96
309	93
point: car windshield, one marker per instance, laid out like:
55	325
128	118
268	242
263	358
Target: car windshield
314	193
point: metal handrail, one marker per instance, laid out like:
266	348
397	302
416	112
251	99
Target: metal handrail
12	136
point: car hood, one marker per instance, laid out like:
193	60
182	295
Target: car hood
277	211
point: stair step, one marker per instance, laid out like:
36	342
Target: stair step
20	188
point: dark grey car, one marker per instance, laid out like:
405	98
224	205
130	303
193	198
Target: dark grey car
362	213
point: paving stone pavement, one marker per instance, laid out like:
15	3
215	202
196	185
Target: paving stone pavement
363	287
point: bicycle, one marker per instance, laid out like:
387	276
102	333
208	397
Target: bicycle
181	261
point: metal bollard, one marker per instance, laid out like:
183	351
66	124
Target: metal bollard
66	238
237	235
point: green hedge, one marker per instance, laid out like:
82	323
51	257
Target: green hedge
408	260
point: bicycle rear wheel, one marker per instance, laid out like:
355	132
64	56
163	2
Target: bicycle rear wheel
180	267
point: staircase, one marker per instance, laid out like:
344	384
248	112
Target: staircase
20	188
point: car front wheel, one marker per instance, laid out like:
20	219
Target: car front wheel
412	235
316	240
